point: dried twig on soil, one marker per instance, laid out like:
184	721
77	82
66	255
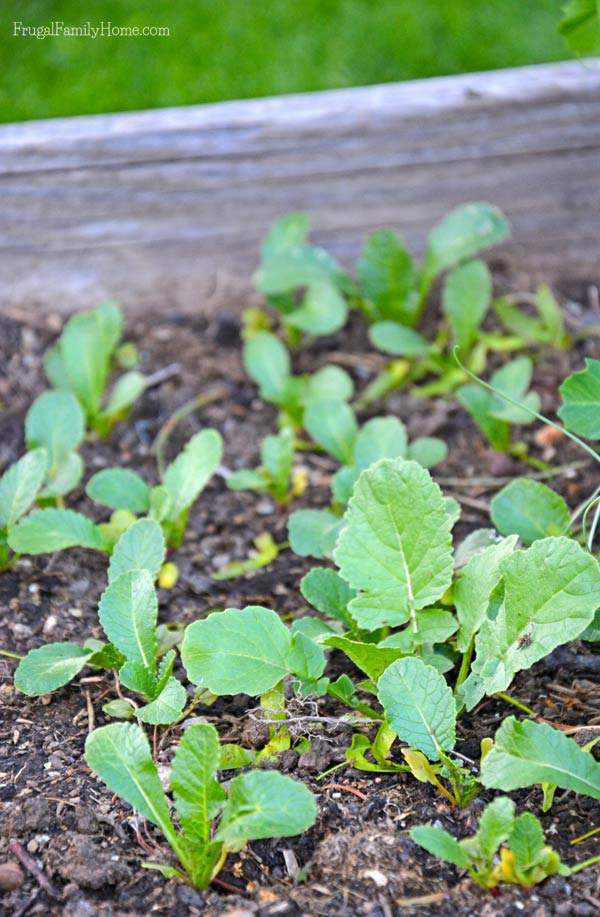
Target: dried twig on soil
32	867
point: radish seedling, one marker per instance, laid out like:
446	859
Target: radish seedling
56	422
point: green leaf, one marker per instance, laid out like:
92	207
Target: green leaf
265	804
514	378
379	438
395	545
167	707
466	230
248	479
330	382
119	709
120	755
581	26
392	338
126	390
466	300
473	590
526	840
551	592
85	358
267	362
63	478
428	451
419	706
128	612
371	659
234	756
140	547
580	392
119	488
526	753
386	276
188	475
47	530
56	422
530	510
434	625
495	826
136	677
197	794
592	631
277	456
312	532
49	667
19	486
288	261
237	652
342	483
306	658
440	844
326	591
477	402
323	309
331	423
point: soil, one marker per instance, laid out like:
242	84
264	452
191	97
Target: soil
85	844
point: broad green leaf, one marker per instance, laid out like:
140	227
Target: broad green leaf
551	592
526	753
197	793
136	677
495	825
468	229
19	486
331	423
439	843
167	707
342	483
434	625
475	542
109	318
330	382
371	659
55	422
237	651
86	359
286	232
326	591
395	545
312	627
288	261
189	474
580	392
119	488
119	709
386	276
379	438
592	631
140	547
128	611
313	532
120	755
530	510
419	706
477	402
322	311
126	390
474	588
466	300
47	530
267	362
63	478
428	451
514	379
398	340
581	26
49	667
526	840
265	804
306	658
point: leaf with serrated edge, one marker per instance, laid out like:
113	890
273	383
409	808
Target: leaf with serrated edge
237	651
47	530
189	474
49	667
472	592
395	544
527	753
20	484
419	706
197	793
119	488
128	611
140	547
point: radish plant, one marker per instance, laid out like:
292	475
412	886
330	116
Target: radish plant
56	422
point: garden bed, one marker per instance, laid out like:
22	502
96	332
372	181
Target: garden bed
357	859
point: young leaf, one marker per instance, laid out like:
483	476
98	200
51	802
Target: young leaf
323	309
395	545
49	667
439	843
19	486
55	422
530	510
326	591
313	532
119	488
580	392
526	753
277	456
526	840
398	340
197	793
126	390
466	300
267	362
386	276
128	611
167	707
237	652
428	451
306	658
495	826
532	622
330	382
288	261
419	706
473	590
140	547
47	530
371	659
333	426
514	379
189	474
265	804
64	478
85	359
434	625
477	402
379	438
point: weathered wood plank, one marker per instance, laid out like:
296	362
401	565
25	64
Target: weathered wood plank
166	208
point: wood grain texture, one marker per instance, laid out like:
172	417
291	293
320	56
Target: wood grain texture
166	209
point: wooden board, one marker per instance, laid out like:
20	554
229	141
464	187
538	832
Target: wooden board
166	208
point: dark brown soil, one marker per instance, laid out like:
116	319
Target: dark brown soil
358	858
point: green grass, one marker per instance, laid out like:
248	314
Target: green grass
228	49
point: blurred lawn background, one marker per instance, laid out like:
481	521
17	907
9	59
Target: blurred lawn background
230	49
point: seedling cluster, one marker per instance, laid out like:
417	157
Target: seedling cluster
431	623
